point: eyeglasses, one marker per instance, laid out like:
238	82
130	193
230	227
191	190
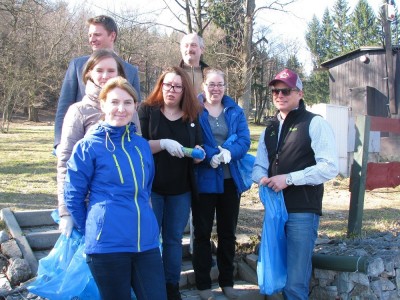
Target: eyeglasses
176	88
285	92
213	85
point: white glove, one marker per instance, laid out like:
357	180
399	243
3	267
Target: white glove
215	161
58	150
172	146
66	225
224	155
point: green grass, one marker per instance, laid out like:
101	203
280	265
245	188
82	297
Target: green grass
27	168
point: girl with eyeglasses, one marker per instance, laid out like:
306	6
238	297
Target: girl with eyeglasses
219	184
169	122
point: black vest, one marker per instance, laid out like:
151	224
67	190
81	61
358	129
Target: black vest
294	153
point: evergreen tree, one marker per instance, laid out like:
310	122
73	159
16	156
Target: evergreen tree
313	37
328	48
316	88
395	28
341	21
294	64
364	28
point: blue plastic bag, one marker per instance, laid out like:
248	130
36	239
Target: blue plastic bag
64	274
271	264
245	164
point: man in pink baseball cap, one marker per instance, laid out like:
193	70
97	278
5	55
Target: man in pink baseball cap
296	154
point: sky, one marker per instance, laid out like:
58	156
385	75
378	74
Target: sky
291	26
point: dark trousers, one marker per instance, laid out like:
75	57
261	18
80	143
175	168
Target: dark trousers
116	273
226	208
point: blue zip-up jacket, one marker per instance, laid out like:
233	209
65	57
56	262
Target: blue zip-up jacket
116	167
210	180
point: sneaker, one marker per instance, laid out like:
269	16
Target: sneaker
173	291
230	292
206	294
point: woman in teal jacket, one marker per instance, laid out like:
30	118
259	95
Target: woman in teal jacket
219	184
115	166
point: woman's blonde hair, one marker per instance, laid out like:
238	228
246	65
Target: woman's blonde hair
118	82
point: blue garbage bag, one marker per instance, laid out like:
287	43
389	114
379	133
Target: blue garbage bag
271	264
64	274
245	164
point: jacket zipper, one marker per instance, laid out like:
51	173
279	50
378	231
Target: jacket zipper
121	178
136	187
141	162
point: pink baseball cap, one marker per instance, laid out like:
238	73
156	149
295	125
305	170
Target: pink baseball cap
290	78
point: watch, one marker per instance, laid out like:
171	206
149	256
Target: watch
289	179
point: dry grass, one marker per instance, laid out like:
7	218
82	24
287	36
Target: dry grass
28	181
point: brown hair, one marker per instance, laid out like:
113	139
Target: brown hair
108	23
96	57
189	103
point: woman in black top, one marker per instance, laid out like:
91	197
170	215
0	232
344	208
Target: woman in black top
168	119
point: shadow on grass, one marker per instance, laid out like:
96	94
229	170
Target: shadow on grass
18	168
334	223
35	201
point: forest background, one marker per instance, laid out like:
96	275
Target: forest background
38	38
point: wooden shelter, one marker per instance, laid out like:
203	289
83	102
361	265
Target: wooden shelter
359	79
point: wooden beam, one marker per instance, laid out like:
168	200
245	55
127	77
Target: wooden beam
358	175
385	124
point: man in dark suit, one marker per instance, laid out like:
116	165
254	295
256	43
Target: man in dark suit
102	34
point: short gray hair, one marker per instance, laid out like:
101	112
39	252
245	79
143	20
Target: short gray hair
193	34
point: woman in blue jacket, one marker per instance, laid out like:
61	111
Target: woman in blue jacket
219	184
115	166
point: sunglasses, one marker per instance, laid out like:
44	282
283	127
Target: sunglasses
285	92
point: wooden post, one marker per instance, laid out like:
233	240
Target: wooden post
358	175
389	59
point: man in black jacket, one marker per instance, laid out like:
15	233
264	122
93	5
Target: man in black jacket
296	154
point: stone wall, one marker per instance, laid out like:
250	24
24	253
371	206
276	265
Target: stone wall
381	280
15	270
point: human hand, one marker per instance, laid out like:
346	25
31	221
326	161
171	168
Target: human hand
66	225
277	182
197	160
172	146
215	161
57	151
224	155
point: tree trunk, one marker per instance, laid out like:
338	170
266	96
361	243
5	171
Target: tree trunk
33	114
244	102
188	17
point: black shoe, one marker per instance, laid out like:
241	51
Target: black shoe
173	291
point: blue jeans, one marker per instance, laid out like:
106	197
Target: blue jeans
116	273
301	233
172	213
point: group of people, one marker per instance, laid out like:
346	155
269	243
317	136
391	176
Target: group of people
125	182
